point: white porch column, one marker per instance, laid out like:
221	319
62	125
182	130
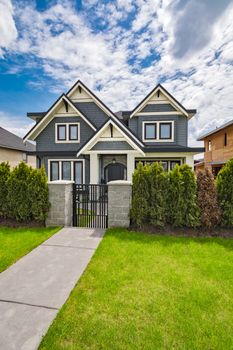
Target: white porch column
189	160
94	168
130	166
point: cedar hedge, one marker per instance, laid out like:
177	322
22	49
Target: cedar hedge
181	199
24	193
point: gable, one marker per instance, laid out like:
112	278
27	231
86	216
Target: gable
110	133
159	101
62	107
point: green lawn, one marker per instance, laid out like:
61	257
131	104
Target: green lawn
150	292
16	242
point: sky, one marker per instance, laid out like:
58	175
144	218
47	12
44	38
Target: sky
120	49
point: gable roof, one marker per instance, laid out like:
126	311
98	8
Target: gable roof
12	141
37	128
202	137
101	104
177	104
118	126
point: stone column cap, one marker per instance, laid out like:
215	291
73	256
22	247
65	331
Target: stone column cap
119	182
61	182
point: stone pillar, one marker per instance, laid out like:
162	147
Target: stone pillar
94	168
130	165
61	200
119	202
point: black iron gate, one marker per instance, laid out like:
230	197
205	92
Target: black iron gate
90	206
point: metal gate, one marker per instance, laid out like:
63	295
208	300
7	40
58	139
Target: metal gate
90	206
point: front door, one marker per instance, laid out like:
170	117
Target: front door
115	171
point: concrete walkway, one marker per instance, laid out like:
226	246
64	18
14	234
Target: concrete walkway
35	287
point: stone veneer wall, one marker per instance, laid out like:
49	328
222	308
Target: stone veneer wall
119	202
61	200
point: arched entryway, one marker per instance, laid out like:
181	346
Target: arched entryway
115	171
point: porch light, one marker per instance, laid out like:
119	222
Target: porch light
113	161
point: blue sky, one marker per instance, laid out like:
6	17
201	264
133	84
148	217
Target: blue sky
121	49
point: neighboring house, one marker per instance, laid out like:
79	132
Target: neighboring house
14	150
79	138
218	147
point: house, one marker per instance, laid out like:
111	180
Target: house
14	150
79	138
218	147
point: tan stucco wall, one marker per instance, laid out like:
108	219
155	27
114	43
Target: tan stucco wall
14	157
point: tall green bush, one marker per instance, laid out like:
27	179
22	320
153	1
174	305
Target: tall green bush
140	200
157	198
207	199
38	194
174	214
224	183
4	176
189	207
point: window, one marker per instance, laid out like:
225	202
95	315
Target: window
66	170
67	132
209	145
61	132
73	132
225	139
165	131
25	157
165	165
173	164
54	171
150	131
159	131
78	172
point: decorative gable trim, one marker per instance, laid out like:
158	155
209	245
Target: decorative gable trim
41	125
105	109
96	138
170	98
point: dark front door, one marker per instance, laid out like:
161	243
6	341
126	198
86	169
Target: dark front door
115	171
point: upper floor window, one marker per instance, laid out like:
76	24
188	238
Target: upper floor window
67	132
225	139
158	131
209	145
150	131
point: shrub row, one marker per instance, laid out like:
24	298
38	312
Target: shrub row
180	199
23	193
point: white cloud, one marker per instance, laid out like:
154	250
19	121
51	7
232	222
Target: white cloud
15	124
8	31
196	68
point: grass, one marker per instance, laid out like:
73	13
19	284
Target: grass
16	242
149	292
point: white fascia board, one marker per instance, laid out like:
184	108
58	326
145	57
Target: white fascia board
108	112
95	139
45	120
173	102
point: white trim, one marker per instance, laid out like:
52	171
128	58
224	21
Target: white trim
72	160
102	139
157	122
67	140
81	100
45	120
107	111
159	113
95	139
112	152
159	102
171	100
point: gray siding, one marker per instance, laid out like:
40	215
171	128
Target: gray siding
111	145
163	107
46	140
180	128
93	112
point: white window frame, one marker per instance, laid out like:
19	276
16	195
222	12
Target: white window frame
158	122
67	140
60	168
